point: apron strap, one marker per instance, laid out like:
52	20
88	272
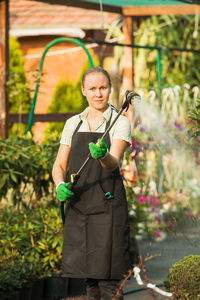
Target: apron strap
107	123
78	126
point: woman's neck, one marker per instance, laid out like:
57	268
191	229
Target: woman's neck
94	113
94	118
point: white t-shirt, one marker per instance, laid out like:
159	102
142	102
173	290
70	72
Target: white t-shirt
120	130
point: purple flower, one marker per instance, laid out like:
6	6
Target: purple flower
150	139
178	126
143	129
138	148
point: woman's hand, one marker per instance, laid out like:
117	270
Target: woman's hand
111	160
98	150
62	192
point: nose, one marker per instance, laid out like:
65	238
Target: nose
98	92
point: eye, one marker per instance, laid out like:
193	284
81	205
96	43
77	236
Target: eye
92	89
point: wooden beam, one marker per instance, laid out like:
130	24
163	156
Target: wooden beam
128	53
128	62
190	9
51	117
4	24
84	4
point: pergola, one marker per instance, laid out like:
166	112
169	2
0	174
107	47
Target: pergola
130	9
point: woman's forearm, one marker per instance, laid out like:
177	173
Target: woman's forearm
60	164
112	159
58	174
110	163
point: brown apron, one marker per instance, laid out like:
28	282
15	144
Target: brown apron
96	232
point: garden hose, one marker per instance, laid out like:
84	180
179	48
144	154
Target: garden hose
52	43
128	292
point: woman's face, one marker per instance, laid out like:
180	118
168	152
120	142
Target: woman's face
96	89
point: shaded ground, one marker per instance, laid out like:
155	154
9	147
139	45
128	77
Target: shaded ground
159	257
176	246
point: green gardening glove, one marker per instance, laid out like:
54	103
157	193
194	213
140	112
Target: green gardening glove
63	193
98	150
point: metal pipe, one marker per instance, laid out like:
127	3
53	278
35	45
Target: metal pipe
51	44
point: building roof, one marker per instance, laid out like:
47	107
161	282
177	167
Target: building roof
27	17
123	3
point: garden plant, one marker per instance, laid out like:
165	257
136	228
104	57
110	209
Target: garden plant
184	277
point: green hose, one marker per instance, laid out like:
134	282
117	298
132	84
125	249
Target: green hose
58	40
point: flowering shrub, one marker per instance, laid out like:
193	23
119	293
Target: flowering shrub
194	121
154	217
160	171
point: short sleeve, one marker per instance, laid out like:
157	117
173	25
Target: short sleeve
68	130
123	129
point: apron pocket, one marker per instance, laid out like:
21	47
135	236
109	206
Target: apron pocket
93	201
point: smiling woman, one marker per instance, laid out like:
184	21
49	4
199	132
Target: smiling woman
96	233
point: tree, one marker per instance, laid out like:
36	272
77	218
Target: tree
18	86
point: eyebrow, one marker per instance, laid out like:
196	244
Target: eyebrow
93	86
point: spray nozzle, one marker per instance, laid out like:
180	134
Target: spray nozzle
132	98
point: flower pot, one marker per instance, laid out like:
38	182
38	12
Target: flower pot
37	290
10	296
55	287
76	287
25	292
63	287
15	296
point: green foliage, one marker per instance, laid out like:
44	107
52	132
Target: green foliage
30	245
18	87
194	121
184	277
67	97
171	32
25	169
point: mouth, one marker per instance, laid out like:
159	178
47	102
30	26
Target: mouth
98	101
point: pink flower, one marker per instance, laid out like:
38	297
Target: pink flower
122	172
190	215
169	225
158	233
158	218
141	199
132	143
153	201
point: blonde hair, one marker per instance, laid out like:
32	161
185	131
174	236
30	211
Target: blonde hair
95	70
